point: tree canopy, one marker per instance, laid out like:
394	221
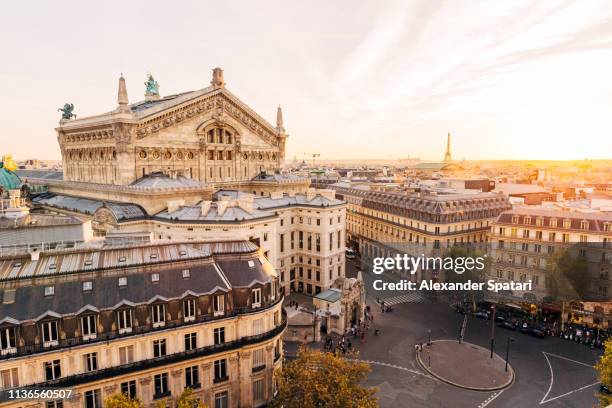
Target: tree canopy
120	400
568	273
604	370
317	379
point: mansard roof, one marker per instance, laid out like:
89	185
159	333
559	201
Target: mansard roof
426	203
529	216
227	265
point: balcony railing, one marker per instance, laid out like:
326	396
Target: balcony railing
105	373
135	330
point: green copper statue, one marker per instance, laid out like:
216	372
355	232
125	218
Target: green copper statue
152	86
67	111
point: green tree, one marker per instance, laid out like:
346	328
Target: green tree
568	275
604	370
120	400
316	379
189	400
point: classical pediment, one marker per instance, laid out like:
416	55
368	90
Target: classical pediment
219	105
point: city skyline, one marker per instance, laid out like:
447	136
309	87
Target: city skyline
508	81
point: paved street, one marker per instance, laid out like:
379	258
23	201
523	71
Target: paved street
550	372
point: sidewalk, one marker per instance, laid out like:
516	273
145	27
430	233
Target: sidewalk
465	365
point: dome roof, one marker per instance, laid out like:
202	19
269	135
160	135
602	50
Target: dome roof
9	180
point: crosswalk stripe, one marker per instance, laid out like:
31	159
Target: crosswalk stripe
406	298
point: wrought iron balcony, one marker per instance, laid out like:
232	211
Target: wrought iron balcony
84	378
135	330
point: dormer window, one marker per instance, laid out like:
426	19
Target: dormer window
527	220
122	259
515	219
50	333
155	277
8	340
189	310
567	223
607	227
186	274
539	221
273	288
122	282
49	290
153	256
88	262
251	264
124	321
553	223
218	305
182	253
87	286
256	297
584	225
158	315
88	327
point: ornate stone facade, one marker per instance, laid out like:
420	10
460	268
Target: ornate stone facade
207	135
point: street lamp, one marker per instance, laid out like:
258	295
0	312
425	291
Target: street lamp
492	328
510	339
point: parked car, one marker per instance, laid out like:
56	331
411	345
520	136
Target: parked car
506	325
604	389
481	315
536	333
351	254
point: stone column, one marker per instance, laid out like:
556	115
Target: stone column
145	392
207	383
176	385
235	379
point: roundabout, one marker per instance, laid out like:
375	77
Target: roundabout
465	365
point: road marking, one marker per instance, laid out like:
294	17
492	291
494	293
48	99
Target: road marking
486	402
412	297
569	359
395	366
552	378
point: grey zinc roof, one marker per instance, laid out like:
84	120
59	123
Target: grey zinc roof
329	295
146	108
34	220
279	177
116	257
241	274
264	203
40	174
160	180
122	211
194	213
30	302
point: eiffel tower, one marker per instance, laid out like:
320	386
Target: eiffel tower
447	155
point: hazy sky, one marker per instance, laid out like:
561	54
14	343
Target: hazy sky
356	79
